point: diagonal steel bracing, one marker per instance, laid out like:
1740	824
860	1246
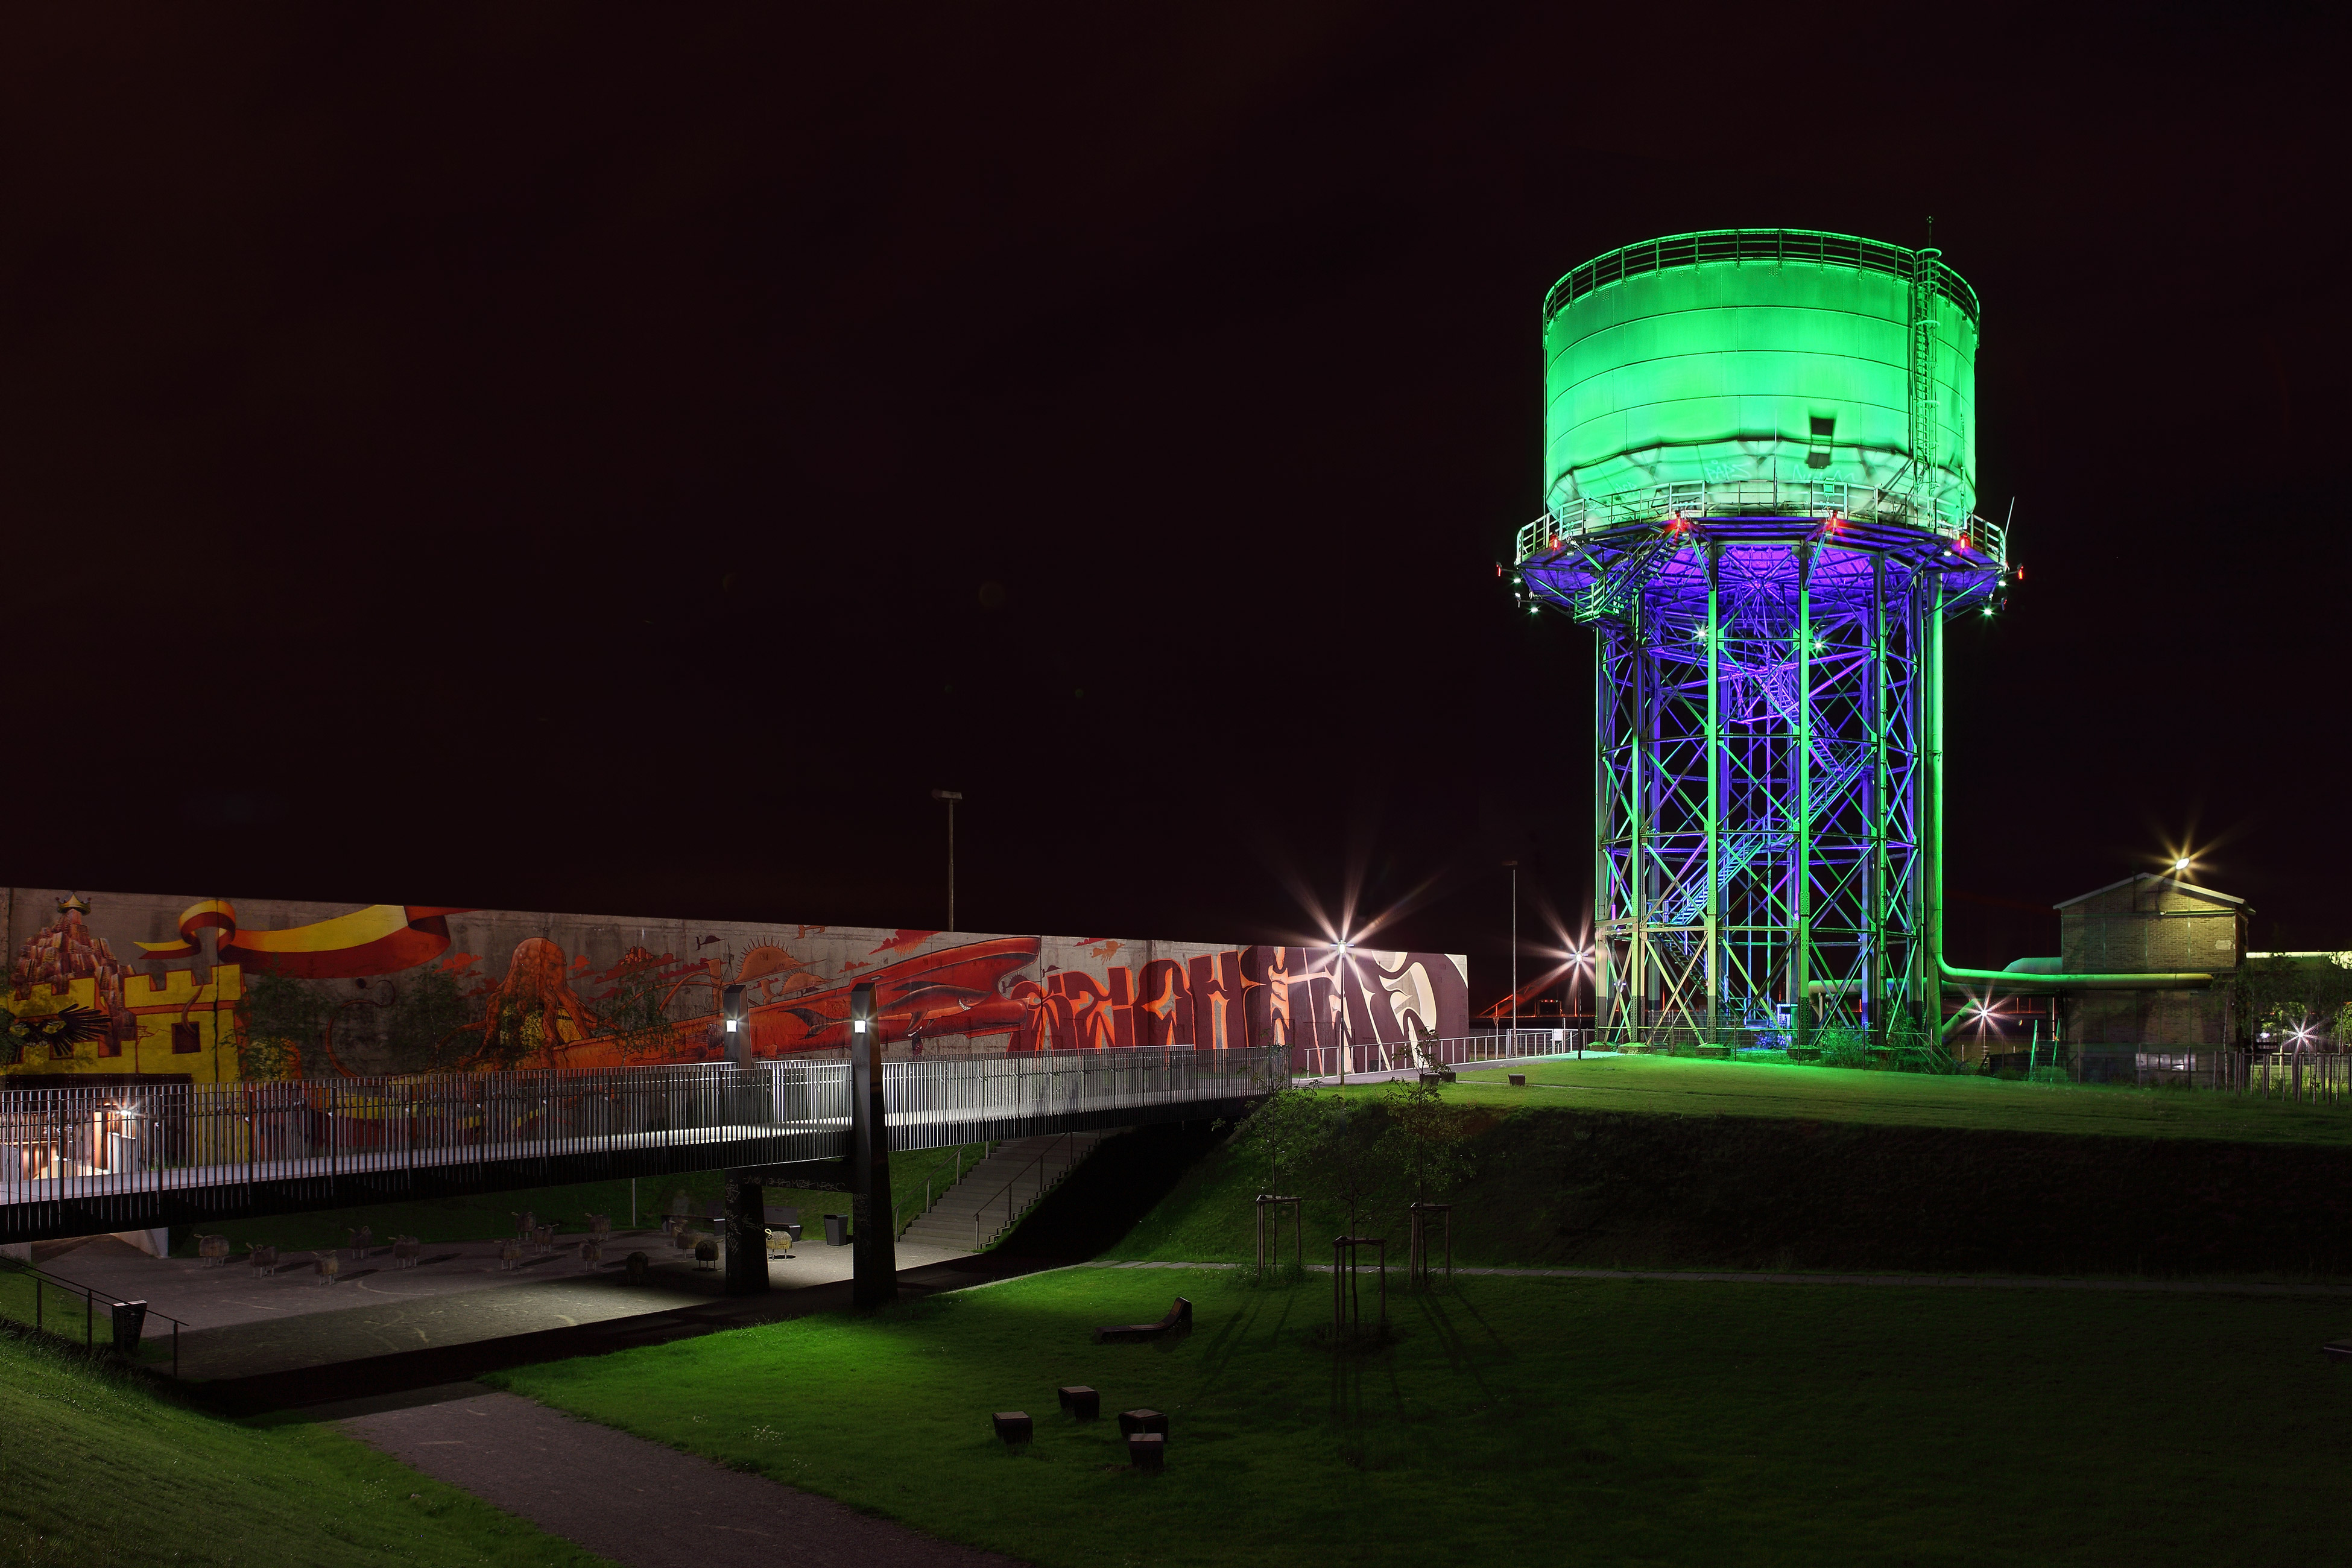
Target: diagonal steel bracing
1763	704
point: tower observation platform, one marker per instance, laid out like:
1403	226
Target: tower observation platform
1759	481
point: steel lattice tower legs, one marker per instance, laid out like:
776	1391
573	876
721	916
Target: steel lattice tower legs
1762	709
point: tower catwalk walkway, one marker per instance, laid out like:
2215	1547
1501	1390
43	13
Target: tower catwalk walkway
78	1161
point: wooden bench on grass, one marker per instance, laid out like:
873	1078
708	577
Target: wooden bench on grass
1180	1316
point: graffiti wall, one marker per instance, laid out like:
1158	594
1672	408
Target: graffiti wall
212	989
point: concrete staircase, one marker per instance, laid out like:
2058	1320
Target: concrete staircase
995	1193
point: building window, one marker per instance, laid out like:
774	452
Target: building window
186	1039
1824	431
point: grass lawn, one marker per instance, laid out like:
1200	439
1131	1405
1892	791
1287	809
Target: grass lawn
1540	1420
486	1216
1654	1162
97	1469
1682	1087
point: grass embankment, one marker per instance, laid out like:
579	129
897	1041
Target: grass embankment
99	1469
486	1216
1522	1420
1671	1086
1674	1165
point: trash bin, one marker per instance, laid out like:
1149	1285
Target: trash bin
130	1321
837	1230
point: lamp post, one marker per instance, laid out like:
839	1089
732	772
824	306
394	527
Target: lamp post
1513	866
951	796
1339	1007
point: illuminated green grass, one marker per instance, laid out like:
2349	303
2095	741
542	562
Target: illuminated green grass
1539	1421
1682	1087
98	1470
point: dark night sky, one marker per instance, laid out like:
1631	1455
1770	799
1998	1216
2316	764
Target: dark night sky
620	460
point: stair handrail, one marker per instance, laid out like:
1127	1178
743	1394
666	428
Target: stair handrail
1005	1192
90	1297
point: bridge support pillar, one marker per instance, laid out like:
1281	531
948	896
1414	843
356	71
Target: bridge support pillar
747	1235
873	1256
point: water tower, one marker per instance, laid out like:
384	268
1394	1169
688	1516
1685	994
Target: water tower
1760	488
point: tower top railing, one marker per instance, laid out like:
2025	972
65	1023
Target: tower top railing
1758	498
1777	247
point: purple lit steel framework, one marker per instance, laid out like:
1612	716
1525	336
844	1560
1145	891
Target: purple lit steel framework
1763	799
1768	713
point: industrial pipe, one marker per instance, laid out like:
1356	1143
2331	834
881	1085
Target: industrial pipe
1959	979
2012	980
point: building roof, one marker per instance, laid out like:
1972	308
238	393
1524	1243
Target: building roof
2150	876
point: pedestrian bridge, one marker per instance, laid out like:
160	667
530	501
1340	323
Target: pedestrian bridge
74	1162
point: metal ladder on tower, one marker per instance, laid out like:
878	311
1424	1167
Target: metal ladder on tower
1923	365
1616	586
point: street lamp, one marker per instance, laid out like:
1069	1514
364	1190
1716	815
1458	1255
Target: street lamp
1513	866
1339	1007
951	796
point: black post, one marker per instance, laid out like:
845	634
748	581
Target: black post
874	1252
747	1235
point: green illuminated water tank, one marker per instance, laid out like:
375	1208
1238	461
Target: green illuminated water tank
1749	361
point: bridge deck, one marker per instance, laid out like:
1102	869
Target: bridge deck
78	1161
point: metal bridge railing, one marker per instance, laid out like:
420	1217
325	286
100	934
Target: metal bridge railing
938	1102
111	1154
78	1145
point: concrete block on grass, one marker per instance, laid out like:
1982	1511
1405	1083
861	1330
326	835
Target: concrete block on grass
1131	1422
1014	1425
1147	1450
1080	1401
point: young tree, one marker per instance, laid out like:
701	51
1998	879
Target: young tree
1423	1144
1285	1130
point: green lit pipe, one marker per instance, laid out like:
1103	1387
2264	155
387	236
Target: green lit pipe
1958	979
2010	980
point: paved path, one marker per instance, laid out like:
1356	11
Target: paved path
639	1502
240	1323
458	1358
1906	1281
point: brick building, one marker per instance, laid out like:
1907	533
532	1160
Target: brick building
2150	925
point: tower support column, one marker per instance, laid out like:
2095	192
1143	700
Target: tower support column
1715	784
1800	893
747	1235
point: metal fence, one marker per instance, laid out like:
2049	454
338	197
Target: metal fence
1572	518
1506	1045
117	1158
2313	1078
936	1103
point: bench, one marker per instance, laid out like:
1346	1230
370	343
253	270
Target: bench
1180	1316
